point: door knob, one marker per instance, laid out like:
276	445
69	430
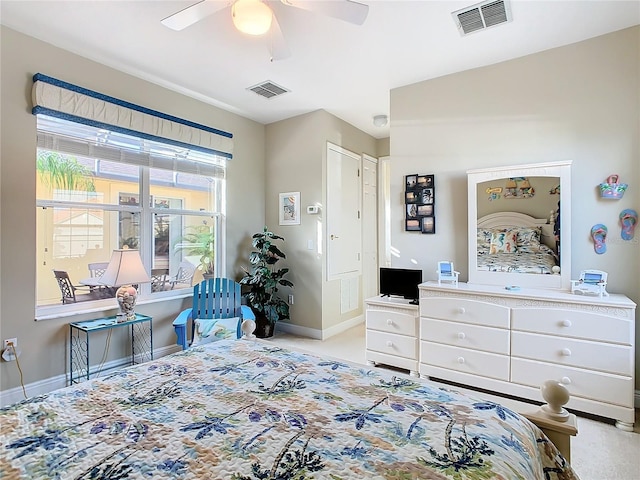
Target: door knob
333	237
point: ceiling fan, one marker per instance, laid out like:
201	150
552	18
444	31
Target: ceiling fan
257	17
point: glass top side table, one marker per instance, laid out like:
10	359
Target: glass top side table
140	333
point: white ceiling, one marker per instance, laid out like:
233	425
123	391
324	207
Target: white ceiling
345	69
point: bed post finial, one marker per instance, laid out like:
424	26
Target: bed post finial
556	395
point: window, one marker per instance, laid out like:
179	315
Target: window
99	190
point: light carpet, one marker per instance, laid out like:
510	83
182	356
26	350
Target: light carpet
600	451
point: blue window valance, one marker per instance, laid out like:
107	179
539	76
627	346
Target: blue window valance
64	100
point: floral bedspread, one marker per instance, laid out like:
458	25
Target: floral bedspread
240	410
541	261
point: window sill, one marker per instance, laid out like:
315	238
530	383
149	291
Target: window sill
105	307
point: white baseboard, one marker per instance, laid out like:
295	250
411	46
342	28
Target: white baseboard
319	334
13	395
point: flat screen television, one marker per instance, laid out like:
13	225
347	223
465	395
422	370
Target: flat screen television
400	282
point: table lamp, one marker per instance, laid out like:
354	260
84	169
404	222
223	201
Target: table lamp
125	269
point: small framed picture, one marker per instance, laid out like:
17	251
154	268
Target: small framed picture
289	208
425	210
412	225
412	210
410	182
426	196
428	224
411	196
425	181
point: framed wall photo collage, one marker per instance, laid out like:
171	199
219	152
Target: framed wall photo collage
419	202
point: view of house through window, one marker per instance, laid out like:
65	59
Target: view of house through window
98	191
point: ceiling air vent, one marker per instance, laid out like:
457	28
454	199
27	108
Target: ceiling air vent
482	16
268	89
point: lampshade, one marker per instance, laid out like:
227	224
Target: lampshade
251	16
125	268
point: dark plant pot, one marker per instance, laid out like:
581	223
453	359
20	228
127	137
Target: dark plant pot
264	328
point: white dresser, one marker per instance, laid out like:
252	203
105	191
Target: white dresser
510	342
392	333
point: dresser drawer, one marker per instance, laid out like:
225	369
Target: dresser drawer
392	322
570	323
467	311
605	357
464	335
597	386
392	344
464	360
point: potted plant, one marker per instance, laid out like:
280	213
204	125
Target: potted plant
199	242
263	281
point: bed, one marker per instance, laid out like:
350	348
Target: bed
244	409
517	243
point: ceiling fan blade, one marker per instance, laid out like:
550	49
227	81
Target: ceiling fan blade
277	45
347	10
190	15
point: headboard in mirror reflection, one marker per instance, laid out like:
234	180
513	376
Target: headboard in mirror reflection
519	229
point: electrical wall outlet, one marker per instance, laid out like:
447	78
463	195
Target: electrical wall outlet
9	354
290	299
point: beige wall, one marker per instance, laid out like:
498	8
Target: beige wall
579	102
296	161
44	343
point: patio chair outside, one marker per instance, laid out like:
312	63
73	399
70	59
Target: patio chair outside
158	279
97	269
184	276
69	290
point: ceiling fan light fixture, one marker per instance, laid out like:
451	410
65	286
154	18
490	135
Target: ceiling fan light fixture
251	16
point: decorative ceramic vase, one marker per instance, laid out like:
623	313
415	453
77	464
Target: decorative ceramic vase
127	296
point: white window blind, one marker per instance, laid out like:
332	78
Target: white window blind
84	141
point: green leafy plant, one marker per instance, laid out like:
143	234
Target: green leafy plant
264	279
200	241
64	173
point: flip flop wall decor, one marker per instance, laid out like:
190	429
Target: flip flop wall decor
599	236
628	221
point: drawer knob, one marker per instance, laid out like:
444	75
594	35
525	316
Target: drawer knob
461	335
566	323
566	352
461	310
389	321
566	380
389	343
460	359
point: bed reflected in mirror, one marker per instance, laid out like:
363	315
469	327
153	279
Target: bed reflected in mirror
519	226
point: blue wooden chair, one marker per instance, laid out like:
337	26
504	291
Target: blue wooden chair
215	298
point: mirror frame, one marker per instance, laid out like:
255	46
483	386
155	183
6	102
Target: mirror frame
552	169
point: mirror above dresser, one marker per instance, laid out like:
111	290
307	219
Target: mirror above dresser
519	228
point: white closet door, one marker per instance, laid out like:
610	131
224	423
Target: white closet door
344	230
